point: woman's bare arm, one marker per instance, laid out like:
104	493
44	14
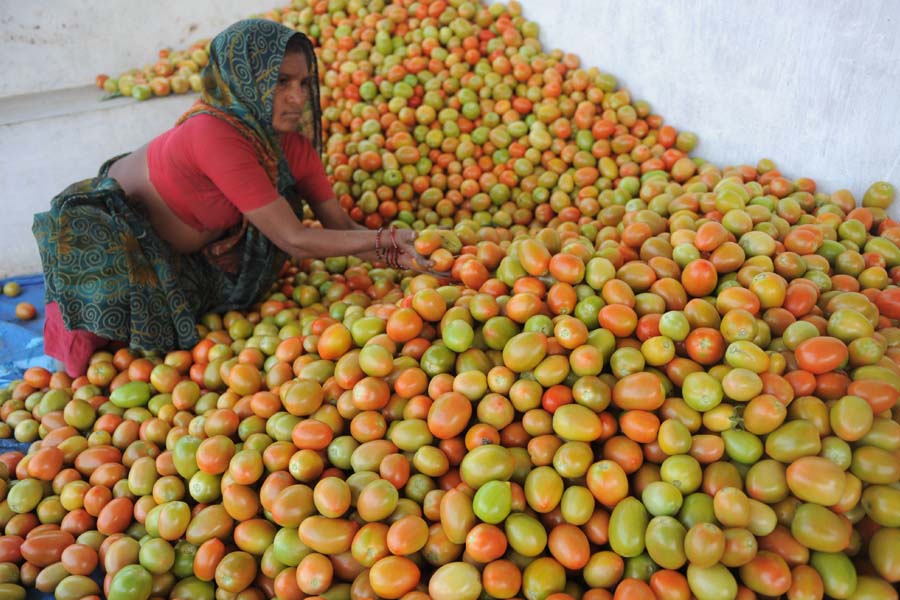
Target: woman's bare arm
333	216
278	222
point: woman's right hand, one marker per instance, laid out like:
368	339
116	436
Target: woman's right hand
408	257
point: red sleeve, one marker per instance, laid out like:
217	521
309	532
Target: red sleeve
230	162
307	168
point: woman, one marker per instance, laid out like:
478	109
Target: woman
202	218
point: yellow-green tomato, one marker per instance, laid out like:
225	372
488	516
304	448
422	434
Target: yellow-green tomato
627	525
712	583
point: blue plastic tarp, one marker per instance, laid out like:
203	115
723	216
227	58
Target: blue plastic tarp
21	347
22	342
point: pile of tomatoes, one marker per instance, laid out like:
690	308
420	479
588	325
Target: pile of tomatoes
639	375
172	73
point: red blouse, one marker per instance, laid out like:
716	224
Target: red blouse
208	173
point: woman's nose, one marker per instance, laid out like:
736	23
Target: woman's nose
295	94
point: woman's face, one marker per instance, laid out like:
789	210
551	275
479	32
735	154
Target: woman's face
290	93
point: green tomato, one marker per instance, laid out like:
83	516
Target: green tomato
12	289
132	582
131	394
493	501
674	325
665	542
662	498
24	496
837	572
627	525
458	335
742	446
712	583
702	391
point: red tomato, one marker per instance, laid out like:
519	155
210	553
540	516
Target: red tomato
821	354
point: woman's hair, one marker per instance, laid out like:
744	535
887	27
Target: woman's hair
296	44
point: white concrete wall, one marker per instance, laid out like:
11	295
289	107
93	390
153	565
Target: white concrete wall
812	85
56	44
40	157
53	128
809	84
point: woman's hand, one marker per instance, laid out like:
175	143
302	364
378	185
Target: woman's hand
407	256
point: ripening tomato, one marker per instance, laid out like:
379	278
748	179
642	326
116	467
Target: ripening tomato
884	554
45	548
665	541
699	278
455	581
534	257
334	342
638	391
393	576
25	311
705	345
821	354
236	571
816	479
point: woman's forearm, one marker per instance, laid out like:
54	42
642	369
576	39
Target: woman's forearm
346	222
278	222
322	243
333	216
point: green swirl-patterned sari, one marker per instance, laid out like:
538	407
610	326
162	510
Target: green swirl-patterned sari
107	268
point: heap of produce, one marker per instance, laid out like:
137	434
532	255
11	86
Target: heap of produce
173	73
642	375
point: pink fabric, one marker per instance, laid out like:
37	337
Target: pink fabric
73	348
209	174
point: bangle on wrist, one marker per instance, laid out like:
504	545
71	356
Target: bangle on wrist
394	258
379	251
394	237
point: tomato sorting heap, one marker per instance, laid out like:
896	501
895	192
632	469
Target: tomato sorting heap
650	375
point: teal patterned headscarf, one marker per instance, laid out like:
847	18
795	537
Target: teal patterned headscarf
239	87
